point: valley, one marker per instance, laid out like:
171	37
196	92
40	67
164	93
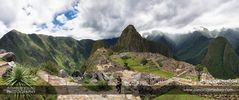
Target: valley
90	69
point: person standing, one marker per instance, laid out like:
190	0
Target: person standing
119	84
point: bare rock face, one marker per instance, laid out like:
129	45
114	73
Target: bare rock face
10	56
100	76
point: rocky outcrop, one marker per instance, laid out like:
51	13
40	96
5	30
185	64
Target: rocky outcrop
62	73
77	74
9	56
100	76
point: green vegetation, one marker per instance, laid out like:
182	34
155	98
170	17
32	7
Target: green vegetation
2	81
98	44
136	66
221	59
98	86
195	50
176	94
143	61
199	68
50	68
33	49
20	77
125	58
94	59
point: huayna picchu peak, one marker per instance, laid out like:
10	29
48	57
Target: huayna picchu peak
131	40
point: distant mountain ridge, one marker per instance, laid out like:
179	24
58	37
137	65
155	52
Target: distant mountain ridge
34	49
217	50
183	45
71	54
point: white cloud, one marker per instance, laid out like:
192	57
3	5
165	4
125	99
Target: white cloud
3	28
62	18
97	19
23	15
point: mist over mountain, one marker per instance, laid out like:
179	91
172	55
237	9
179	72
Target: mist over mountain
217	50
191	47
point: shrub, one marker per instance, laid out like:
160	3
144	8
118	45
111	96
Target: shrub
50	68
126	66
99	86
143	61
199	68
20	77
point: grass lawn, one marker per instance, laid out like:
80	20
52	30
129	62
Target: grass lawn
134	65
176	94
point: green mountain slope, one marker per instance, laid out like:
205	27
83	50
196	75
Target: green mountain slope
221	59
33	49
106	43
193	49
131	40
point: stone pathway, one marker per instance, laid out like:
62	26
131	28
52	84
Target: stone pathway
58	81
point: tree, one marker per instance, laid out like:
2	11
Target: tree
126	66
20	77
125	58
199	69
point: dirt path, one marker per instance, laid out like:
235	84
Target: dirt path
73	92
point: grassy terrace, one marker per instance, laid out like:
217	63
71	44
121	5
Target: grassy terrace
134	65
176	94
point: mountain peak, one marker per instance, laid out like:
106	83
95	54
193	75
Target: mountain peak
130	26
13	30
131	40
130	32
11	33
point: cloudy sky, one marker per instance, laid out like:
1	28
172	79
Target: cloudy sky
97	19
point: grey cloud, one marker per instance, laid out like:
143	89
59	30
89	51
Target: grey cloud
108	17
182	12
8	14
